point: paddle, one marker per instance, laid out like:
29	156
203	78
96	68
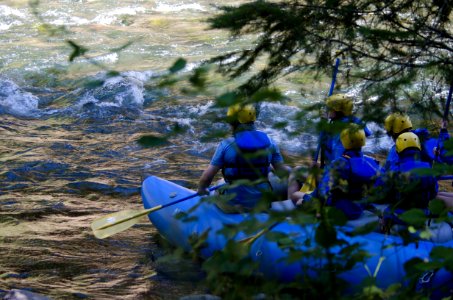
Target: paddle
445	117
122	220
251	239
310	183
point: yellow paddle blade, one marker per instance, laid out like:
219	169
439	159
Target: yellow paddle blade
309	184
117	222
251	239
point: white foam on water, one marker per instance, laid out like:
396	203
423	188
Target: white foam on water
106	58
116	91
63	18
110	17
378	141
16	101
4	26
10	17
9	11
170	8
141	76
109	58
201	109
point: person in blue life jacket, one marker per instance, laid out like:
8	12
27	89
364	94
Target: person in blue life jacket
346	181
248	155
340	108
436	149
399	123
403	185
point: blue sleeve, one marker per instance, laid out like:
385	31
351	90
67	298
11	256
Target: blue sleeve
367	131
360	122
218	159
446	152
337	147
392	159
422	133
331	177
324	186
275	152
444	135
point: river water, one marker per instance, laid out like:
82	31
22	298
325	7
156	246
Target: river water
68	147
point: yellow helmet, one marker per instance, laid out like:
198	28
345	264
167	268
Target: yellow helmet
353	137
244	114
407	140
340	102
396	123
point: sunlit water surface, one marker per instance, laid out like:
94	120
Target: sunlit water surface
69	151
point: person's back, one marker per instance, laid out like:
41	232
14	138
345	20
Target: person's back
398	123
245	160
347	180
246	156
340	109
408	187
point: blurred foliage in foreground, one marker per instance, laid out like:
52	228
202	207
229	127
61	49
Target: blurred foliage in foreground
398	58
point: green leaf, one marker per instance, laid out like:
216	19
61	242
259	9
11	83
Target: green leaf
113	73
268	94
94	84
214	134
227	99
77	50
415	217
441	252
366	228
198	79
336	216
178	128
326	236
152	141
436	206
178	65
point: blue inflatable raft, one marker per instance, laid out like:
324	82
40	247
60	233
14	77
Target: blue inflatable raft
387	253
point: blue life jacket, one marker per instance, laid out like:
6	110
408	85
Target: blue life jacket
252	160
332	146
416	190
360	173
363	171
444	156
426	154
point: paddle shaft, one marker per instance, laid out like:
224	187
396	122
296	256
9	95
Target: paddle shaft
445	117
447	104
332	86
251	239
158	207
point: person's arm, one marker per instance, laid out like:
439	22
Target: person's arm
206	179
294	186
281	169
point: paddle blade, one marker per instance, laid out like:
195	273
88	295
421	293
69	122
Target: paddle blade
115	222
309	184
251	239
